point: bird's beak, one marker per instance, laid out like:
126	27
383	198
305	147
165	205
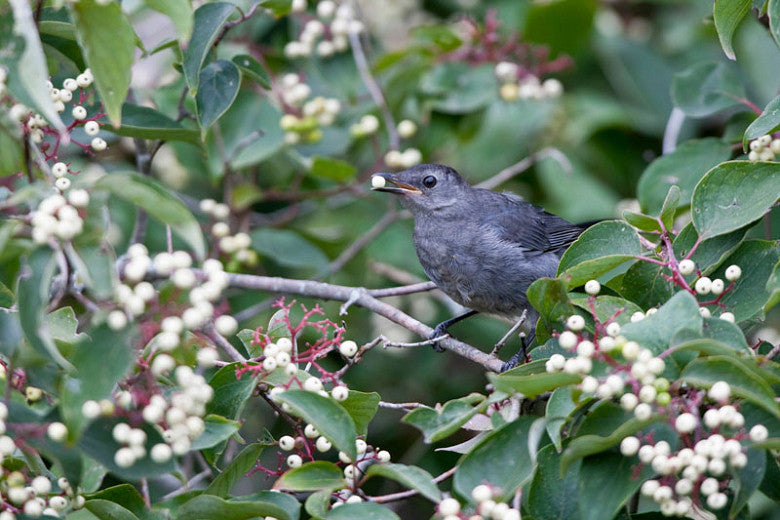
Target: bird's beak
395	186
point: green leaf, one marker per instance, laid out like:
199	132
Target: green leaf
442	36
362	407
100	445
106	510
706	88
710	252
219	84
99	262
549	298
606	307
438	424
644	285
362	511
252	68
767	123
410	477
727	15
531	384
772	287
288	248
505	459
237	468
655	332
28	81
733	195
126	496
6	296
332	169
748	479
669	207
328	416
641	221
683	167
773	13
551	495
584	445
108	41
208	21
93	378
459	88
180	13
749	294
544	21
598	250
33	295
312	476
153	198
147	123
218	429
318	503
278	7
560	405
230	394
608	481
215	508
704	372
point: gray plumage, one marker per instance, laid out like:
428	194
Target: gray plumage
482	248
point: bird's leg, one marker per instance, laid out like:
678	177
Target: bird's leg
441	329
522	353
498	346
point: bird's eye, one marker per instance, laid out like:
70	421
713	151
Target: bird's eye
429	181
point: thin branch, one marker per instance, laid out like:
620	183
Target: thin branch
220	340
374	90
406	494
187	486
400	406
362	297
143	160
522	165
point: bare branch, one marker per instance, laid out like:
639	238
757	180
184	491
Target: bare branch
362	297
522	165
223	343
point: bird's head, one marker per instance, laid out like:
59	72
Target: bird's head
423	188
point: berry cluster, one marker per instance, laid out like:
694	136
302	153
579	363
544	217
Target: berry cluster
327	34
56	217
237	246
35	496
368	125
765	148
518	85
487	508
401	160
303	120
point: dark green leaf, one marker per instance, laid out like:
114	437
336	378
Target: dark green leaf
531	385
108	41
710	252
332	169
218	429
252	68
559	406
208	21
772	287
733	195
126	496
362	407
62	325
767	123
410	477
727	15
151	196
656	331
438	424
215	508
218	88
28	81
543	23
230	394
505	459
312	476
6	296
599	249
748	479
237	468
584	445
706	88
704	372
645	285
442	36
180	13
606	307
550	299
147	123
749	294
318	503
278	7
683	167
288	248
328	416
641	221
608	481
669	207
106	510
551	495
99	261
33	294
773	13
362	511
99	444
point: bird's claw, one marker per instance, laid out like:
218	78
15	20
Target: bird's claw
519	358
438	332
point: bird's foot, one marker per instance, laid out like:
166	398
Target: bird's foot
439	331
519	358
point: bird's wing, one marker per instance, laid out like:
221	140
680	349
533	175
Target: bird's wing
534	230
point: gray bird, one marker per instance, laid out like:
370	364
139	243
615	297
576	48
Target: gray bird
481	248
